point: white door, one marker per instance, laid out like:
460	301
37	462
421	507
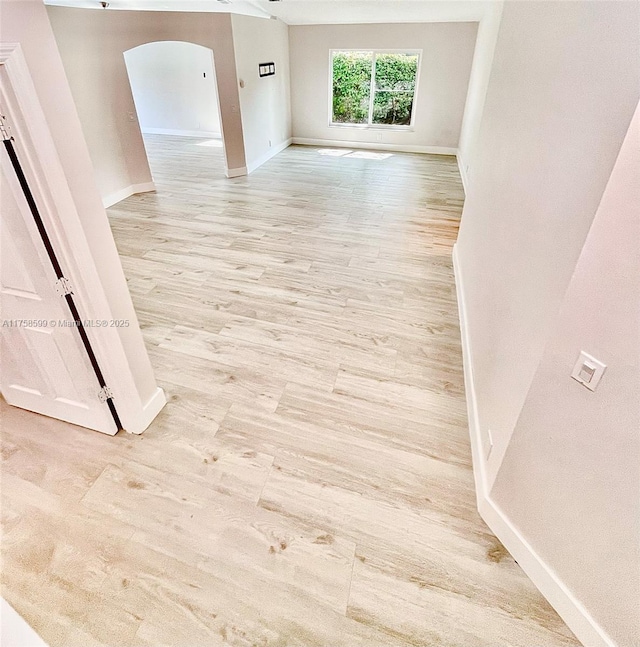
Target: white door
45	366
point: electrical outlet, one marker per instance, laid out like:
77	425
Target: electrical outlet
588	370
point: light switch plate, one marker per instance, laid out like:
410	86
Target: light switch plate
588	371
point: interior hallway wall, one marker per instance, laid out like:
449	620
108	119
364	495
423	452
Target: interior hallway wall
265	103
478	83
563	88
92	43
546	266
570	479
174	88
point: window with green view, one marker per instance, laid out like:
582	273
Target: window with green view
373	88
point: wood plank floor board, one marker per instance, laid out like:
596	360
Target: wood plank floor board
223	384
309	483
303	368
420	614
435	436
331	456
446	560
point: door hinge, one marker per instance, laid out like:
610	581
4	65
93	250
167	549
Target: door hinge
63	286
4	129
105	393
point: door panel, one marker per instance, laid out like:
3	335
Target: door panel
45	367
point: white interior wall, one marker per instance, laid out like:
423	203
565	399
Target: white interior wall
560	484
14	630
570	479
558	105
265	102
174	88
447	53
478	84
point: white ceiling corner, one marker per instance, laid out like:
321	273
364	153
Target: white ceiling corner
311	12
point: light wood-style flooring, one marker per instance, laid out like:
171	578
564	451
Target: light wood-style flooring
309	482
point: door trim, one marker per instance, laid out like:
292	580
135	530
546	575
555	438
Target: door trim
47	180
105	394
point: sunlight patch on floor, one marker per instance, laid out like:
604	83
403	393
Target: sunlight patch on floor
334	152
345	152
213	143
370	155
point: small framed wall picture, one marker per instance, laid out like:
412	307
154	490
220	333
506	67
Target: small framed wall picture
267	69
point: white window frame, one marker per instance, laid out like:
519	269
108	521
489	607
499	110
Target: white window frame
370	125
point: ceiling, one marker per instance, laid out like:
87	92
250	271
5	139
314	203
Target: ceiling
311	12
245	7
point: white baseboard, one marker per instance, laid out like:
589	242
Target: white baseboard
462	167
181	133
117	196
377	146
569	608
477	453
145	187
272	152
150	410
236	172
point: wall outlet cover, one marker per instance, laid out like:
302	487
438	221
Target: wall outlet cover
588	371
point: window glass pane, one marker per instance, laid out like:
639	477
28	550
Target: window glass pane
394	88
392	108
351	87
396	71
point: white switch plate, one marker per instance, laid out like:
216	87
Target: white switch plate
588	370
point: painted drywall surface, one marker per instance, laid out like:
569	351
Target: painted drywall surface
265	103
26	22
562	92
570	479
478	84
92	45
14	630
103	99
447	54
174	88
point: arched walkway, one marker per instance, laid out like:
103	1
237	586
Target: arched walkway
174	86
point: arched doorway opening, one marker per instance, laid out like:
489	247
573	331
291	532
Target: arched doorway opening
175	92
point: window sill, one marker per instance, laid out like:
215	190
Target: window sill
407	129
